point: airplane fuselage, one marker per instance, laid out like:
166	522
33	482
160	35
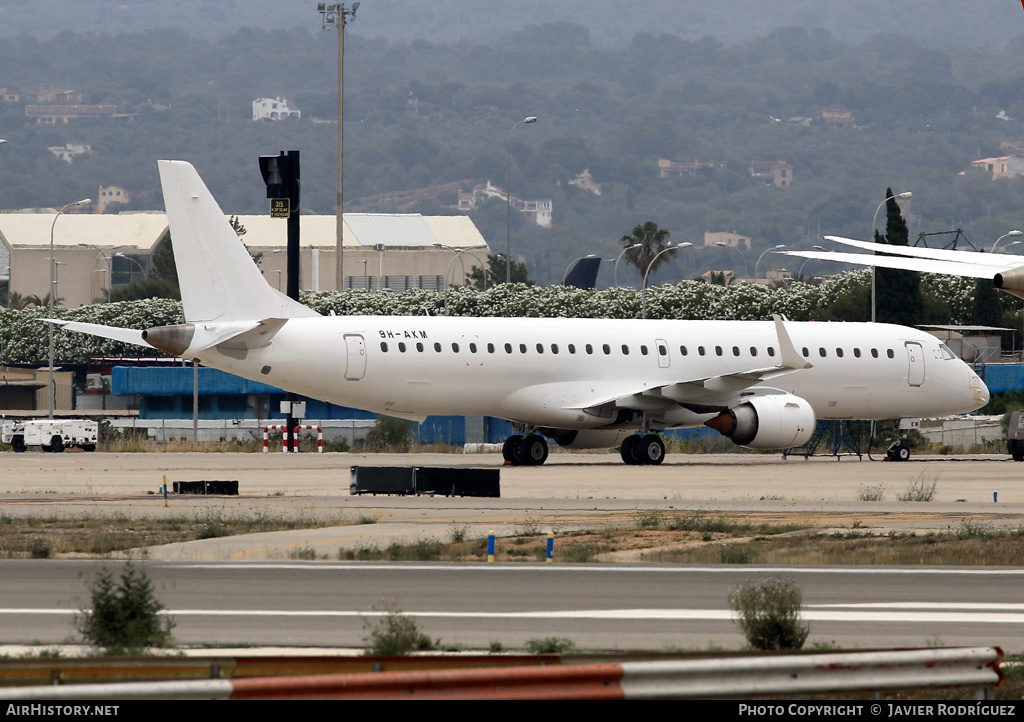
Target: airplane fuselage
556	372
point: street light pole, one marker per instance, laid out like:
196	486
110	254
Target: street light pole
874	221
53	283
773	248
1005	235
666	249
616	270
336	14
508	197
743	258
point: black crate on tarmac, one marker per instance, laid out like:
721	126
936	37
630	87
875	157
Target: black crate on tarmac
447	481
220	488
458	481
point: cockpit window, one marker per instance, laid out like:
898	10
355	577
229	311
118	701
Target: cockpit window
946	353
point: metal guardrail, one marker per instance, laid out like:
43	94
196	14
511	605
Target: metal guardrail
738	677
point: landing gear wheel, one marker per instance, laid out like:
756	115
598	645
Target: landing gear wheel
512	450
18	443
1014	447
899	452
534	450
650	450
56	444
629	448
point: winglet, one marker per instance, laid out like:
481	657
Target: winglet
790	358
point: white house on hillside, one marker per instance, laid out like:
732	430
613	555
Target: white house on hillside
273	109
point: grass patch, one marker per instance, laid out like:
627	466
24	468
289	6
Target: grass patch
871	493
395	635
551	645
42	536
921	488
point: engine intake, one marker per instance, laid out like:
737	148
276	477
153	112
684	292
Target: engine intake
776	421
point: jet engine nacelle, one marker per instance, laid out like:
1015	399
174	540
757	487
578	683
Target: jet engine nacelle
772	421
1011	281
588	438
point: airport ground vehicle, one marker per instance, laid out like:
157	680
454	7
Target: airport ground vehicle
50	434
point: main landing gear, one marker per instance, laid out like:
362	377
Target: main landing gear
529	450
647	449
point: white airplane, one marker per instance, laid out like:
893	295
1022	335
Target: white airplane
586	383
1006	271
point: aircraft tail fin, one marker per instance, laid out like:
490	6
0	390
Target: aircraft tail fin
218	279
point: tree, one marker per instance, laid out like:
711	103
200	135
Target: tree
768	612
162	281
897	293
496	273
650	241
390	434
125	617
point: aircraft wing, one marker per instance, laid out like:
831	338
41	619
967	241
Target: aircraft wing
707	391
905	263
995	260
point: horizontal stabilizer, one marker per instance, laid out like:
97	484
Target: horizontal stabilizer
127	335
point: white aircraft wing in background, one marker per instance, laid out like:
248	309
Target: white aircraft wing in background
1006	272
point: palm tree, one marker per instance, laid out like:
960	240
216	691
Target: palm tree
649	241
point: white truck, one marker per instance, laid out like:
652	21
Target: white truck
50	434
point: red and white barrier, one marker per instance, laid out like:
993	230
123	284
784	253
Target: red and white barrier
319	437
284	437
295	436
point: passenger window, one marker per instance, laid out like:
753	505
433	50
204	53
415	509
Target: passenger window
771	351
384	346
822	352
643	350
590	349
522	348
856	352
490	348
753	350
572	348
718	350
735	350
419	347
472	348
437	347
625	350
662	351
889	353
806	352
700	350
508	348
682	350
554	348
874	353
401	347
607	349
455	347
540	348
839	352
